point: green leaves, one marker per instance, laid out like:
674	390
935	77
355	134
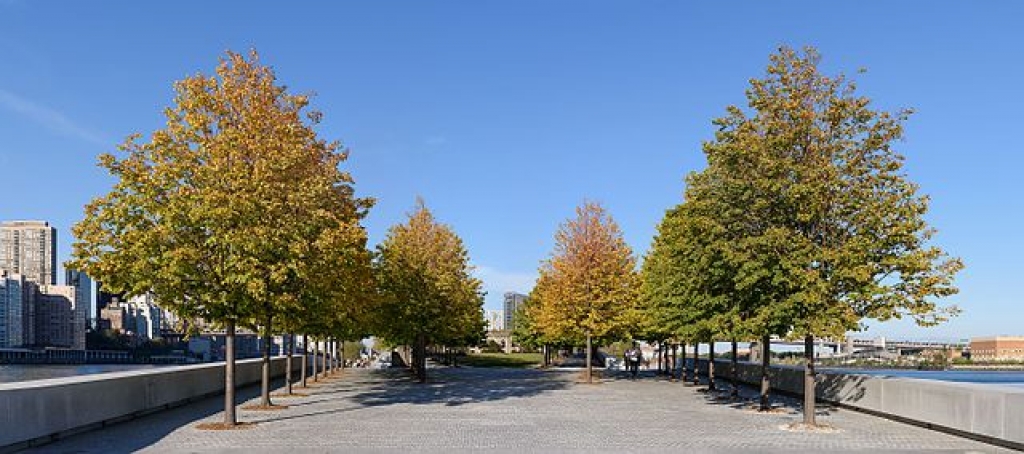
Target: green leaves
426	284
803	223
235	210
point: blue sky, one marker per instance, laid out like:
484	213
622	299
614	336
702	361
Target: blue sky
506	115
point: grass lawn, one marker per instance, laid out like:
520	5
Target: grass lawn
502	360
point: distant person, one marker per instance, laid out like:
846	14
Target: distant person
633	358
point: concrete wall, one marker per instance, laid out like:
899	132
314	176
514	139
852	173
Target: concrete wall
989	412
49	408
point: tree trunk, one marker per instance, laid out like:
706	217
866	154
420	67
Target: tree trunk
711	365
766	384
809	381
672	375
323	364
268	340
590	365
420	358
684	369
333	343
665	358
229	375
696	363
735	380
316	352
305	358
661	360
289	341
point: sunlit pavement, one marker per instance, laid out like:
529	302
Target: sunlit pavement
512	410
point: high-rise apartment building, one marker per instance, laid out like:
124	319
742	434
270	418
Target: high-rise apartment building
512	302
83	293
12	310
105	298
59	320
146	315
18	297
29	248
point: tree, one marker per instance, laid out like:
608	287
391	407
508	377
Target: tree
587	289
336	286
427	291
525	332
209	214
840	233
678	295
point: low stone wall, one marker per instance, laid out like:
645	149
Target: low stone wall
41	409
988	412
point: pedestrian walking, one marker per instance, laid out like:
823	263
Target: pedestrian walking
633	358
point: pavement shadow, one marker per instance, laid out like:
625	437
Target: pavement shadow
453	387
139	433
828	389
642	375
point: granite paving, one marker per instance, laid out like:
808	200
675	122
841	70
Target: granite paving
510	410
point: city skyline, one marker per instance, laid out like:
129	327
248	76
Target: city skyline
576	109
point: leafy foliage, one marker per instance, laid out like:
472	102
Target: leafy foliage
589	285
426	285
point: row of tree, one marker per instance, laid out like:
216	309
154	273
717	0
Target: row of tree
802	225
238	214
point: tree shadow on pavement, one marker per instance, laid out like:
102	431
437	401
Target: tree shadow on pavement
829	389
144	431
462	386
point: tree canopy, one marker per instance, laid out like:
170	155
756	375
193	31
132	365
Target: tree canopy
427	290
225	212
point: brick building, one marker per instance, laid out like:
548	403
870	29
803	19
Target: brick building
998	348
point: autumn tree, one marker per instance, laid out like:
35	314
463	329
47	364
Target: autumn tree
525	332
587	289
674	296
335	287
211	213
829	223
427	291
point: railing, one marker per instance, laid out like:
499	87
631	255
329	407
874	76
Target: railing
42	410
987	412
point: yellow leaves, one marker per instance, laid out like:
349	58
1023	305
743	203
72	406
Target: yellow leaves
425	279
589	284
207	212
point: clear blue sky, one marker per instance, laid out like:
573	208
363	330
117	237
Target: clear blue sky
506	115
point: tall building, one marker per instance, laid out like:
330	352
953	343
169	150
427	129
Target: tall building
495	319
29	248
145	315
512	302
83	292
18	297
105	298
59	320
12	310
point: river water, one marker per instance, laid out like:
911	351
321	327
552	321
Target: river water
26	372
1003	378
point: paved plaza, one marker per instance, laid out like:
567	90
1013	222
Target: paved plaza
509	410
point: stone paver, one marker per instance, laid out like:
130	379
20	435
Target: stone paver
472	410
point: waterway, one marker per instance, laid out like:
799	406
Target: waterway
1003	378
26	372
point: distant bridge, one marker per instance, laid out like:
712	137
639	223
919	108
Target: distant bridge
851	345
